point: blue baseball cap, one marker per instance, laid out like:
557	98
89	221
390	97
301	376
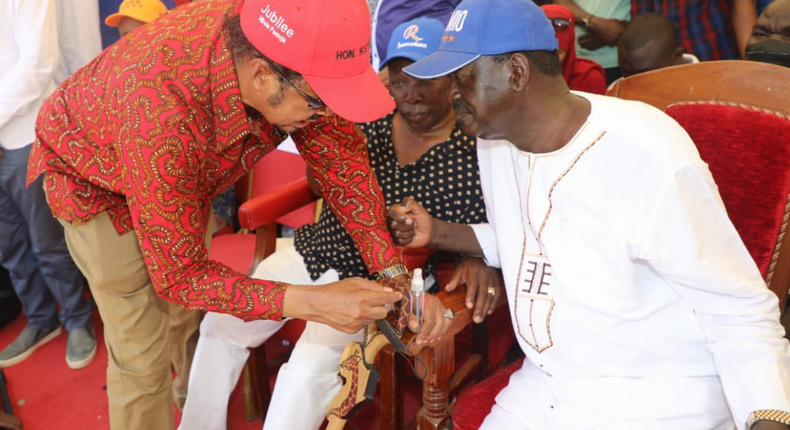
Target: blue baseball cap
415	40
487	27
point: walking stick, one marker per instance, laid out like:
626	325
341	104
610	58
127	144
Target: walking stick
357	368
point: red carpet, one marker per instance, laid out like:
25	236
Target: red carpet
47	395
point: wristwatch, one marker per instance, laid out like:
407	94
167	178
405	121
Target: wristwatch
586	21
768	415
393	271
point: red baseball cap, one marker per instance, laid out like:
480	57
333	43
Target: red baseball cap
327	42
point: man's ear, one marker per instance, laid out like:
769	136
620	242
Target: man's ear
518	68
260	72
677	56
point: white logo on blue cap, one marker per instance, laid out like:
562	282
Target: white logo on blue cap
411	34
457	20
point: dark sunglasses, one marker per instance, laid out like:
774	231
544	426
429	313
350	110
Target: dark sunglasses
312	102
561	24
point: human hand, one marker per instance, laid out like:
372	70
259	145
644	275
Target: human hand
591	42
434	324
607	30
347	305
410	224
9	421
480	281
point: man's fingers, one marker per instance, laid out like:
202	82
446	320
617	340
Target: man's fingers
376	313
471	292
399	213
458	275
403	234
438	329
395	224
374	294
428	322
414	323
380	298
489	306
480	302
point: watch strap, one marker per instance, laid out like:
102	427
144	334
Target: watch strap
393	271
768	415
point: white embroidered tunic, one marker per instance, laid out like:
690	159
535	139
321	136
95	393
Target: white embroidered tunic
631	293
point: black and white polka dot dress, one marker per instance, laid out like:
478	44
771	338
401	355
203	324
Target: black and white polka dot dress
445	180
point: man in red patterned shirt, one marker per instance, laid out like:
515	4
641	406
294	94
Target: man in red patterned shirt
144	137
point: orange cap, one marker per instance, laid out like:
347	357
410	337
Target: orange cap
144	11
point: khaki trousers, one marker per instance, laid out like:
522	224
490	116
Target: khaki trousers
143	332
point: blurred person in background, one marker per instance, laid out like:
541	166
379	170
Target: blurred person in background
650	42
770	39
581	74
133	14
711	29
79	35
33	247
601	22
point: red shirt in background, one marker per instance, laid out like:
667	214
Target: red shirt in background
154	127
581	74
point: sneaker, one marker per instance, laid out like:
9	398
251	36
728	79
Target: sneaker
81	348
25	344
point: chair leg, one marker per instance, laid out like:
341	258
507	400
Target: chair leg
480	347
440	364
392	373
257	394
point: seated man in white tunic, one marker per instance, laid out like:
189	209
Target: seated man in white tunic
632	296
417	151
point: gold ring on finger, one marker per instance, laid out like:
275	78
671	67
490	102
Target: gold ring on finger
492	291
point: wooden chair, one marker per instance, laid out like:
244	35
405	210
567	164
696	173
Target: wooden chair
719	104
260	215
442	379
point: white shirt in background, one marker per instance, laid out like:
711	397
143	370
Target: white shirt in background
690	59
630	291
79	35
29	52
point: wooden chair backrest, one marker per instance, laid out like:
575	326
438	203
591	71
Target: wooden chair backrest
754	86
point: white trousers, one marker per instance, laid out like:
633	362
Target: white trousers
306	383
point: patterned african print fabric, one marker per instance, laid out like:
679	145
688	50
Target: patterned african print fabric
152	129
445	180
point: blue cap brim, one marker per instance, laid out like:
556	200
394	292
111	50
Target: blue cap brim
440	63
413	56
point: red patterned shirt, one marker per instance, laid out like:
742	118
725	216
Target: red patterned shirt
153	128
